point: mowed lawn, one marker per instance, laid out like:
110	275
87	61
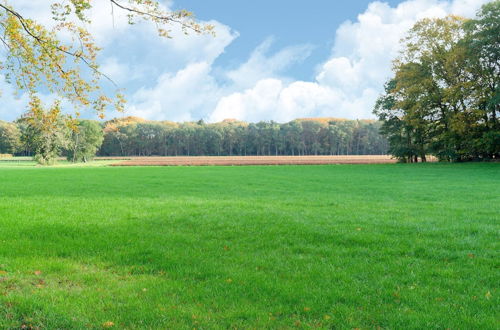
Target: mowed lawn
339	246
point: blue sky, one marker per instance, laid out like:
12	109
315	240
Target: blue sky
289	22
271	60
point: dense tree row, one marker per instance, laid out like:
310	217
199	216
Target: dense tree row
230	137
444	97
45	135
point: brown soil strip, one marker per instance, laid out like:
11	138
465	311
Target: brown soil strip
253	160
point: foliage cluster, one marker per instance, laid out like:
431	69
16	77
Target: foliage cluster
444	97
10	138
84	141
44	132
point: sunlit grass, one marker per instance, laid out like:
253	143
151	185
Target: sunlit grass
347	246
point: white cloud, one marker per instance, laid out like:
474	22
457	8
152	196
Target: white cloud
260	100
190	90
12	106
119	72
262	65
271	99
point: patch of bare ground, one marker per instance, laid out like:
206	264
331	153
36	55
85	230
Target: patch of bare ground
251	160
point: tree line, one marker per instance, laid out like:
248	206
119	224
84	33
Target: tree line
230	137
444	96
46	135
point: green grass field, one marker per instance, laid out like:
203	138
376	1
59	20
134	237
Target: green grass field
346	246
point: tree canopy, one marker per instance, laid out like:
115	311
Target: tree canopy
444	96
84	141
10	138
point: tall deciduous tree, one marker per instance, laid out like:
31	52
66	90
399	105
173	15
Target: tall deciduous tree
45	131
482	44
84	140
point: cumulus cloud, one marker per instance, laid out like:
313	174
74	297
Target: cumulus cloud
262	65
178	97
272	99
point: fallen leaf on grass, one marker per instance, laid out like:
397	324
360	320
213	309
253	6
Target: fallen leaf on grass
108	324
488	295
37	272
